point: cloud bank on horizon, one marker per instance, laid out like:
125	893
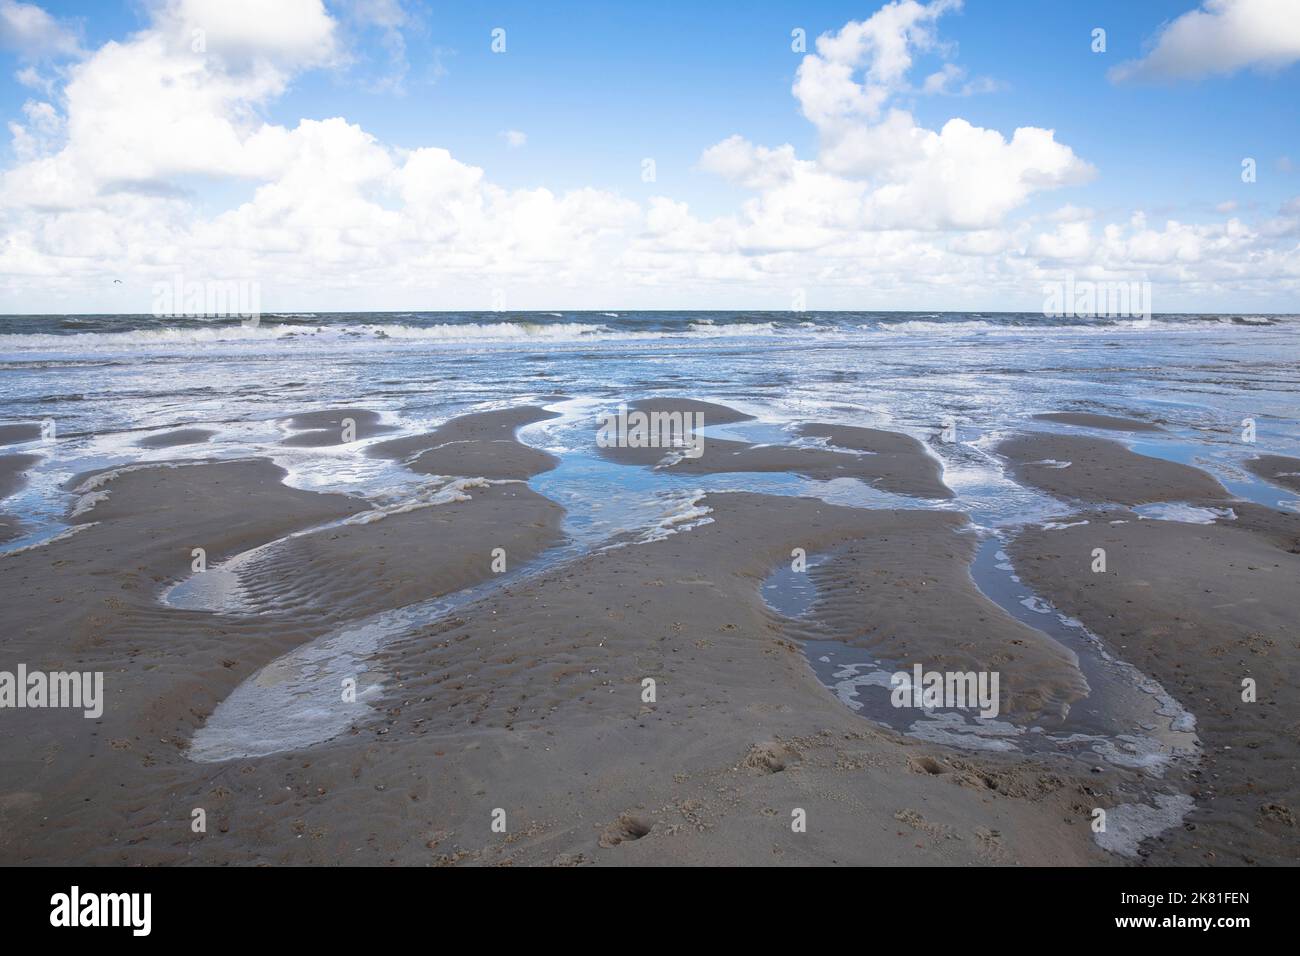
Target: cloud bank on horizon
121	152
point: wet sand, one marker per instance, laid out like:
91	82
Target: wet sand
378	560
324	428
12	468
1092	420
173	439
1278	469
91	601
531	699
481	445
22	432
902	589
12	478
1200	608
1078	468
886	460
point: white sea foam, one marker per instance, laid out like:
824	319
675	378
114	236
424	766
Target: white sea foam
916	326
1185	513
520	330
86	503
955	730
60	536
684	512
1128	824
1062	525
451	492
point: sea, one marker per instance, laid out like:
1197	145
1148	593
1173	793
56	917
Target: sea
107	381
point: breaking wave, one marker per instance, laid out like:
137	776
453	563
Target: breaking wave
25	334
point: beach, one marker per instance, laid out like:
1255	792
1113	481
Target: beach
378	590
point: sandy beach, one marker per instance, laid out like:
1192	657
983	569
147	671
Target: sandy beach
648	699
529	699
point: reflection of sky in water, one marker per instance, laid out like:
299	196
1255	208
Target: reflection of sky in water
1125	718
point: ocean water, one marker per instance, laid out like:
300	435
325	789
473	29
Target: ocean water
107	382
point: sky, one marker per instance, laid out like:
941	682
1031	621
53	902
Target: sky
397	155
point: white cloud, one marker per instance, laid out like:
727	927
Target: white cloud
390	18
1072	213
32	78
944	79
757	167
514	138
1221	36
1071	241
177	100
388	14
100	187
961	176
950	80
880	46
44	125
877	169
32	33
289	34
982	243
109	168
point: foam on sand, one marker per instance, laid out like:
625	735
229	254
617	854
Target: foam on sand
1128	824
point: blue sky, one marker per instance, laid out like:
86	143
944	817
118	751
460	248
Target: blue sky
606	84
598	87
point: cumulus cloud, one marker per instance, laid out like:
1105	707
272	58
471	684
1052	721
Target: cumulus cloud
757	167
178	99
32	33
1219	37
110	171
289	34
898	174
880	47
102	184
